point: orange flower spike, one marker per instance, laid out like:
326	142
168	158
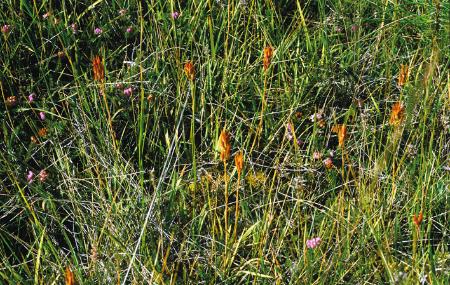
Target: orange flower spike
342	134
397	114
418	219
239	162
268	54
224	146
70	278
189	69
403	75
98	68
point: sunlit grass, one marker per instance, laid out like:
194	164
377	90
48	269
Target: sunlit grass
224	142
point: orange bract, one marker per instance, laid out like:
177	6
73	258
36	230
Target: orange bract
418	219
70	278
268	53
224	145
98	68
397	114
189	69
239	162
403	75
341	131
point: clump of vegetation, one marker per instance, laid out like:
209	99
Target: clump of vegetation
234	142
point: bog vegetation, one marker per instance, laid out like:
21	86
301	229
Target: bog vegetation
224	142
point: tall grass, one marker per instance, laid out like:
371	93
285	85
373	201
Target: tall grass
137	192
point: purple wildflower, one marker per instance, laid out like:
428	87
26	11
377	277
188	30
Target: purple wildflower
129	29
98	31
317	155
290	132
175	15
6	29
128	91
42	116
74	28
313	243
31	97
30	176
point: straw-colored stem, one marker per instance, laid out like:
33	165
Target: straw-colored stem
226	205
237	207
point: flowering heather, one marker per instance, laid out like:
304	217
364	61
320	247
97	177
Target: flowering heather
175	15
6	29
98	31
31	97
313	243
128	91
30	176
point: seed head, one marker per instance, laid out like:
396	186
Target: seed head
268	53
224	145
70	278
418	219
98	68
239	162
189	69
341	131
397	114
403	75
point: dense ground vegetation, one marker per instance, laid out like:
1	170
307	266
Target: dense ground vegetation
224	142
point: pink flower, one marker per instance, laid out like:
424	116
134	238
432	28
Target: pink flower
42	116
355	28
98	31
313	243
74	28
43	175
129	29
290	132
128	91
328	162
30	176
317	155
6	29
31	97
175	15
